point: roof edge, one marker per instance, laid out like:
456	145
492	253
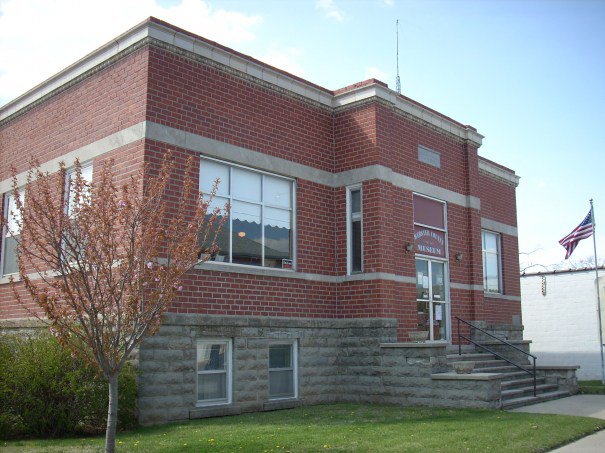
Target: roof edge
561	271
498	171
170	34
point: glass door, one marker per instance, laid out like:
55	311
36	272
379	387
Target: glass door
431	298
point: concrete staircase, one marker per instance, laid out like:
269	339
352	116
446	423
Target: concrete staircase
517	385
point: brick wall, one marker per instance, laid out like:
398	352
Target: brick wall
498	200
198	98
106	102
190	94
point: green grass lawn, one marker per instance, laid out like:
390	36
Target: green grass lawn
346	427
591	387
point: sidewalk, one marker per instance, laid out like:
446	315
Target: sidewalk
581	405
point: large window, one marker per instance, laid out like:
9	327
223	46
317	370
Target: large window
282	371
354	230
259	231
10	235
214	372
492	275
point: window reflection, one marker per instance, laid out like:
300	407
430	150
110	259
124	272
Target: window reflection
259	229
246	235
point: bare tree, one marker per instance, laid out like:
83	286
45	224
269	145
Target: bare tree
102	261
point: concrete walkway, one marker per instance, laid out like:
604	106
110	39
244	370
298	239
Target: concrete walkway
581	405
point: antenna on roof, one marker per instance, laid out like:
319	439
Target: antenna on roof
397	80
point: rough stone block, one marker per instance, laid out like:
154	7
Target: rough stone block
164	378
178	413
153	416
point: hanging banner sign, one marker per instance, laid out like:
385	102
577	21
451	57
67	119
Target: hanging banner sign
429	242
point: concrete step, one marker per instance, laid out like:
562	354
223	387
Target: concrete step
515	383
471	356
527	400
513	375
497	369
528	391
453	348
480	364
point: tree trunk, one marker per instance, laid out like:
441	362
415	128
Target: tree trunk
112	415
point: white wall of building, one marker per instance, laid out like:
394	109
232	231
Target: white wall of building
563	323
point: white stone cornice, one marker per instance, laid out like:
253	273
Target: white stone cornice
75	70
236	61
404	104
507	176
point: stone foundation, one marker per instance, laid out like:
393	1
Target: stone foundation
339	360
508	332
22	326
562	375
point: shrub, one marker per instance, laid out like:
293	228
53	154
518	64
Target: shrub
45	392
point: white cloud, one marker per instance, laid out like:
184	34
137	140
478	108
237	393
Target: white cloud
389	2
373	72
38	38
330	9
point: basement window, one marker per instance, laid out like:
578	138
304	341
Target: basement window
213	372
283	379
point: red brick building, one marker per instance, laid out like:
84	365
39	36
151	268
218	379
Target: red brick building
356	206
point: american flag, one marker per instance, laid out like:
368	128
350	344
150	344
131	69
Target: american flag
582	231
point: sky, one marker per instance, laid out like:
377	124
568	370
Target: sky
529	75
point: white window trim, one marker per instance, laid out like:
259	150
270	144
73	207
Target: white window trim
228	372
294	346
446	302
262	204
5	202
499	256
350	229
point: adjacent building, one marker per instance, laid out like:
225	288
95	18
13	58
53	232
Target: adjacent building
560	315
357	216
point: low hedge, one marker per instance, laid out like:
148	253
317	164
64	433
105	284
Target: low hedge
45	392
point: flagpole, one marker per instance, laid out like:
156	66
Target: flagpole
596	268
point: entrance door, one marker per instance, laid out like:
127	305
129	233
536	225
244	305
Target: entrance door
431	298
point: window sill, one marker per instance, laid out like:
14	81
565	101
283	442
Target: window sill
212	403
282	403
501	296
243	268
214	411
6	278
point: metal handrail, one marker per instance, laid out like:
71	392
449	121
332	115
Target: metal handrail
460	336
